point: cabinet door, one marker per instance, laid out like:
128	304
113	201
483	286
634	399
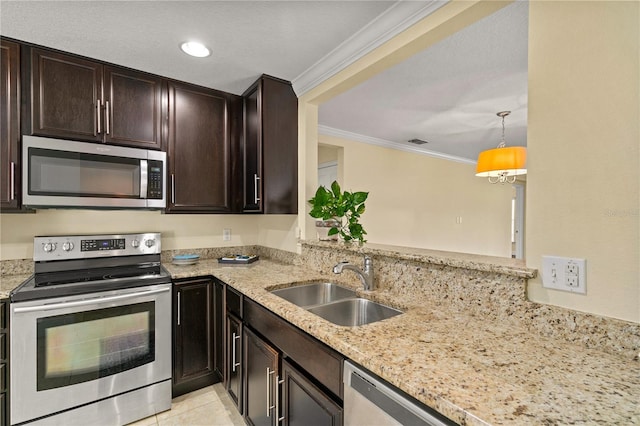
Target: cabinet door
133	108
260	380
9	124
4	360
304	404
193	360
251	150
66	96
270	147
219	318
233	346
279	110
199	150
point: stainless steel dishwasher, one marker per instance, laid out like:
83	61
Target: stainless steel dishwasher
368	400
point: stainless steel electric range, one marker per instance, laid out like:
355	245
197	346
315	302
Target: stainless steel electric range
91	332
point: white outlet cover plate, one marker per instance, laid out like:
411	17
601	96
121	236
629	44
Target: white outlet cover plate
554	273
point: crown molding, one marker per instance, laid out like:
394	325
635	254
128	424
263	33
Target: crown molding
330	131
390	23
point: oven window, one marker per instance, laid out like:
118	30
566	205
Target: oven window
79	347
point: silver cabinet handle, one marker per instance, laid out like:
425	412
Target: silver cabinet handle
98	115
173	188
256	178
269	406
178	308
279	382
12	181
107	113
234	364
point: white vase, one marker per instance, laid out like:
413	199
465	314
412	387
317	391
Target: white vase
323	227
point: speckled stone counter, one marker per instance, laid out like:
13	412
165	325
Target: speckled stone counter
473	370
13	273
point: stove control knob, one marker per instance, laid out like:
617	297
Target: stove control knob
49	247
150	243
135	243
67	246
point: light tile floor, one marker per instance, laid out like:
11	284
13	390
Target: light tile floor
205	407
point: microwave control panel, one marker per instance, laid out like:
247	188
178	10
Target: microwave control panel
155	175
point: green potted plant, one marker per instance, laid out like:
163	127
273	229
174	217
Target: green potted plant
340	212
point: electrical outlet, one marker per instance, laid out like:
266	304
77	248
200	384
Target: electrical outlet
564	273
226	234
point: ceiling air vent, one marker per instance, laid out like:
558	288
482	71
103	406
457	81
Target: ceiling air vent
417	141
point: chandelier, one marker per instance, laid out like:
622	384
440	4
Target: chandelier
502	164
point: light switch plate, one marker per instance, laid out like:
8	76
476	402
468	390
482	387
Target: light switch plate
564	273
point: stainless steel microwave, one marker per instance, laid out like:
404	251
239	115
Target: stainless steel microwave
60	173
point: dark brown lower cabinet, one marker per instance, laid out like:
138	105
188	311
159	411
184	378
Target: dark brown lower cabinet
4	359
304	403
233	381
261	374
197	311
288	377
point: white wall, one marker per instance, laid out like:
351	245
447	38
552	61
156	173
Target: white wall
420	201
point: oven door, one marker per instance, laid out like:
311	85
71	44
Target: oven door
70	351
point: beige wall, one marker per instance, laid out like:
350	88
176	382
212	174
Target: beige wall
583	194
583	183
417	201
178	231
326	154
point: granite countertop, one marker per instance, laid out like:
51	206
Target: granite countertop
477	262
9	282
474	371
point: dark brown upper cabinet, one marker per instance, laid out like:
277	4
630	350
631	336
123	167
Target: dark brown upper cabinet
9	125
203	132
81	99
270	147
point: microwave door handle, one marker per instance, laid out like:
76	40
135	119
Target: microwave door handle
144	178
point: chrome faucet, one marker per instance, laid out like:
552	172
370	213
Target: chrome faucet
366	275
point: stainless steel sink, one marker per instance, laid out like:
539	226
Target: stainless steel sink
354	312
336	304
314	293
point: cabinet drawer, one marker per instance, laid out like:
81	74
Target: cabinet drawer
4	418
3	315
316	358
3	347
234	302
3	377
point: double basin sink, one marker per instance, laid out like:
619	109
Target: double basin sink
336	304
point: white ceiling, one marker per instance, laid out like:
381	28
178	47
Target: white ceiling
447	95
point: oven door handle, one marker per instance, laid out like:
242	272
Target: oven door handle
92	301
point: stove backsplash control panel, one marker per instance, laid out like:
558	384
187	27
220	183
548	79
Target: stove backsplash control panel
90	246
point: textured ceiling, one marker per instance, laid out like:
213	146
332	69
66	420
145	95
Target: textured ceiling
448	95
248	38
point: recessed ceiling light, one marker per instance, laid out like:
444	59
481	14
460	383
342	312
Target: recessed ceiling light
196	49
